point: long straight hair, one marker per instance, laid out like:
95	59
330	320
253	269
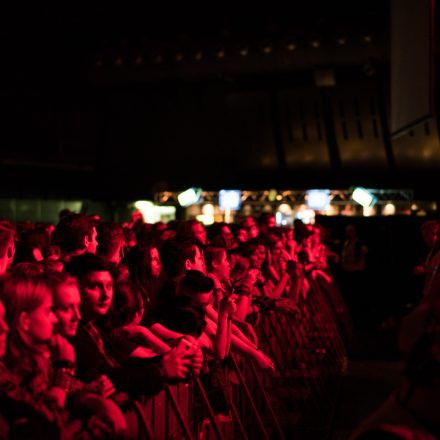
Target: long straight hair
21	293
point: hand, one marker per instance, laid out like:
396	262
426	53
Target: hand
264	362
195	353
61	349
101	386
251	277
176	362
227	306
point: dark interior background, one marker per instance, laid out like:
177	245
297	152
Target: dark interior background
113	103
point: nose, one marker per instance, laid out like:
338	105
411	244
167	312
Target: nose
76	314
53	318
105	292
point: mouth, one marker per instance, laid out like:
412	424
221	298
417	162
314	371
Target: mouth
103	304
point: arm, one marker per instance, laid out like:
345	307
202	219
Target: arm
163	333
153	342
280	287
222	340
235	331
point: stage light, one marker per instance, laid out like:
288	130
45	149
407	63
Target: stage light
368	211
307	216
389	209
229	199
146	208
189	197
318	199
363	197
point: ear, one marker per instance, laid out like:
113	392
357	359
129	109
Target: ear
23	321
187	264
10	252
86	241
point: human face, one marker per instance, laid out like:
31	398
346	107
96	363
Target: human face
66	308
97	293
39	323
198	262
156	265
222	269
242	236
253	231
249	222
271	222
255	260
277	250
4	329
262	252
202	299
199	232
91	242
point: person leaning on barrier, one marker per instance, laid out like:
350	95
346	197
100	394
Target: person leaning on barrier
95	356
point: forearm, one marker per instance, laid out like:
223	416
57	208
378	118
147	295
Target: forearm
164	333
280	287
242	302
221	338
154	342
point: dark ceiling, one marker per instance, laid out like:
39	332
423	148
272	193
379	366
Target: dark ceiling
116	102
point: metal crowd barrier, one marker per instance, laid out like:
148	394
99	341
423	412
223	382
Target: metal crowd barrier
308	350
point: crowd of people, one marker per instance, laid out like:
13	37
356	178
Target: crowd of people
95	313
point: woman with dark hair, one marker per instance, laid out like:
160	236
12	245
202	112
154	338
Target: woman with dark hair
145	268
125	315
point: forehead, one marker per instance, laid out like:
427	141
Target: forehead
101	276
202	297
47	301
67	293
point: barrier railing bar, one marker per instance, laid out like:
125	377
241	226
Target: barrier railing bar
183	426
267	401
211	414
145	424
249	396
